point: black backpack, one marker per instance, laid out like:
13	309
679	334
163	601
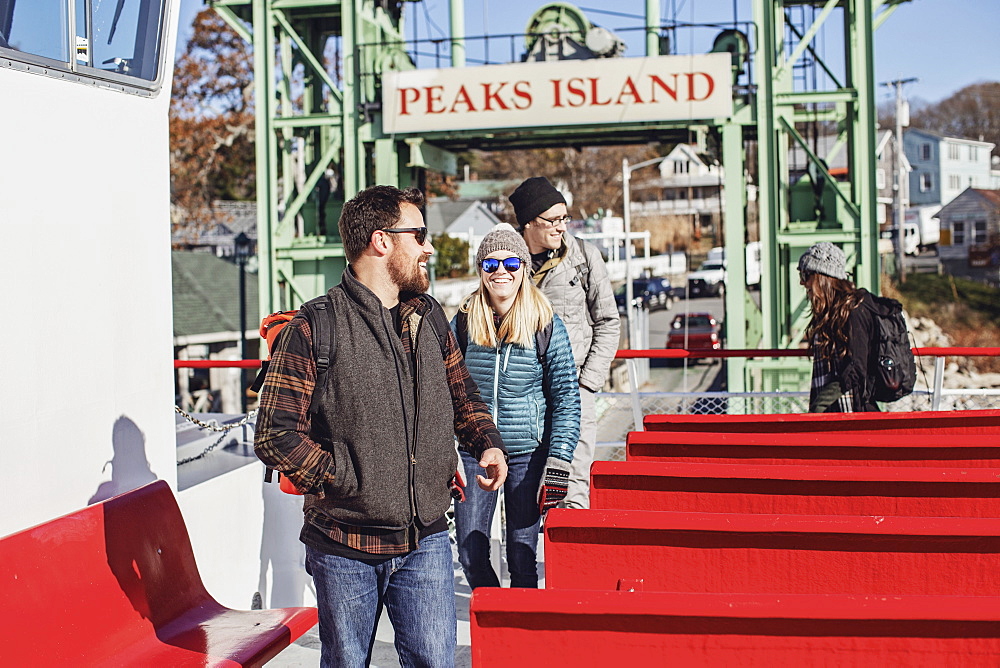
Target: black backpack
542	336
893	367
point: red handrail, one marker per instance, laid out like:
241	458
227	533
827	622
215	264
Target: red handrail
657	353
217	364
676	353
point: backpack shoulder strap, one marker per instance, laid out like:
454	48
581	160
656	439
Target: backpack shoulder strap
542	339
439	323
583	269
462	330
320	315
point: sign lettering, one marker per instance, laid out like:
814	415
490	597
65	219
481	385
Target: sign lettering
614	90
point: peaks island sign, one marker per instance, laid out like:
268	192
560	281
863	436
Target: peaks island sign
569	92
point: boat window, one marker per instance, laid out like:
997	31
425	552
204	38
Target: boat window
109	40
35	27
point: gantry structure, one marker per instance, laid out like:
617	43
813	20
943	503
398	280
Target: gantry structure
319	67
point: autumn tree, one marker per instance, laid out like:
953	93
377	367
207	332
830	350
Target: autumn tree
592	173
211	122
973	113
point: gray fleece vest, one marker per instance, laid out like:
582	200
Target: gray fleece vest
393	447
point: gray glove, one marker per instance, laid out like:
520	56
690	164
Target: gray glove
554	484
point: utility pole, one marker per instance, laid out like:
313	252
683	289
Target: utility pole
898	202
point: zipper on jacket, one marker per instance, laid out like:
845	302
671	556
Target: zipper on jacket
412	448
496	384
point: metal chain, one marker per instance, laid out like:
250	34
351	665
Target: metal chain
213	425
204	452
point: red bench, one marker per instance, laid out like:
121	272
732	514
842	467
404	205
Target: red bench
116	584
853	449
758	553
916	422
810	489
526	627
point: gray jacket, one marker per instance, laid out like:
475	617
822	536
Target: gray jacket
580	292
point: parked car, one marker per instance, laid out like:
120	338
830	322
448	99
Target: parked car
709	280
653	293
695	331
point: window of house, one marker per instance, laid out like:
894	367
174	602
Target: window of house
106	41
926	182
925	151
958	233
681	167
979	232
954	182
973	153
880	179
953	151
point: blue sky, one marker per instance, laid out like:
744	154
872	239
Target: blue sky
946	44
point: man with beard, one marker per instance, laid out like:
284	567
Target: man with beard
370	442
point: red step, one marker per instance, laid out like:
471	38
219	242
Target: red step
768	553
526	627
808	489
911	422
849	449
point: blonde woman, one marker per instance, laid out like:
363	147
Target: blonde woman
518	352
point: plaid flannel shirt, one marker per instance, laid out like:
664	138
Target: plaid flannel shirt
283	439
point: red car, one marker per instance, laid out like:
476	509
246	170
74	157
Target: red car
695	331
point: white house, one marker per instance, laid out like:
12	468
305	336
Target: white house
944	167
690	183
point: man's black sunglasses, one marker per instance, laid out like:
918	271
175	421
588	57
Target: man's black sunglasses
419	233
511	264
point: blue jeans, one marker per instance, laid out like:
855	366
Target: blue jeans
473	518
417	589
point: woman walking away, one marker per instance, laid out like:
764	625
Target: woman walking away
518	352
840	333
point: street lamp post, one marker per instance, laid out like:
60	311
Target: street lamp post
627	217
243	245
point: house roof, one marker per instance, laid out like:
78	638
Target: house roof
207	294
448	217
990	198
232	218
938	135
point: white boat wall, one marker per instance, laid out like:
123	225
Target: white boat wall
86	402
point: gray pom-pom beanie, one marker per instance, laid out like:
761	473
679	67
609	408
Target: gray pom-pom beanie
503	237
825	258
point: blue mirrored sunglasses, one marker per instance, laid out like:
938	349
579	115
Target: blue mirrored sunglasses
491	264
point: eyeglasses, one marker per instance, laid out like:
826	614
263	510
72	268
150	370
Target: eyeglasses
419	233
491	264
562	220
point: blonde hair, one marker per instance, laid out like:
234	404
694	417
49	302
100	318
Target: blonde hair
530	313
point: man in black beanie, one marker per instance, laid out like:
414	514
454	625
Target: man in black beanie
572	274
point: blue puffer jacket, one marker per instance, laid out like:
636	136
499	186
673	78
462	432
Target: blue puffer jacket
532	403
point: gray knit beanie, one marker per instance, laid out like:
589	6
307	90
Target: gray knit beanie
825	258
534	196
503	237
